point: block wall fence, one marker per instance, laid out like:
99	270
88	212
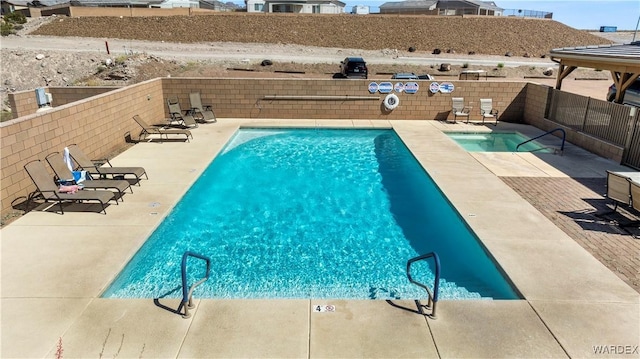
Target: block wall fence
100	119
339	99
97	124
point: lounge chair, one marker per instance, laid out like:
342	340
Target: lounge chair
634	191
618	189
634	203
103	171
64	175
185	118
487	111
148	130
459	109
47	188
204	113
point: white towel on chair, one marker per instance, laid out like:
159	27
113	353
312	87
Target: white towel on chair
67	158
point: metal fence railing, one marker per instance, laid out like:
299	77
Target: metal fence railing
608	121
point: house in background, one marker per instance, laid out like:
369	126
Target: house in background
9	6
296	6
442	7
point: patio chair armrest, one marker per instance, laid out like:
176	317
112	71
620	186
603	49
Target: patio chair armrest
494	112
208	107
101	161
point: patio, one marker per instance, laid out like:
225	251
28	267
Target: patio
54	268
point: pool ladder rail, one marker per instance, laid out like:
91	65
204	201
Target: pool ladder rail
187	295
433	296
555	150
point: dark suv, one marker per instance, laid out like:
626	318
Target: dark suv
354	67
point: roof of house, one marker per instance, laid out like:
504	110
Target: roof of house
410	4
433	4
36	3
115	2
335	2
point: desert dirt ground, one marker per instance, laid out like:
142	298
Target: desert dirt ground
74	50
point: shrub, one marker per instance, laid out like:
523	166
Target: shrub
16	17
500	65
6	29
465	65
121	59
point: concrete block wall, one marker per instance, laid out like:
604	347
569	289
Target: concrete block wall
99	125
338	99
84	11
24	103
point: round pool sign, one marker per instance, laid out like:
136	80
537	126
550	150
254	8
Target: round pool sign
411	87
385	87
446	87
434	87
373	87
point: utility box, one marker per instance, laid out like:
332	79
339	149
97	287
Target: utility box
608	28
41	97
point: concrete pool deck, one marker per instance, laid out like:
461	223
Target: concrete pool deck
54	267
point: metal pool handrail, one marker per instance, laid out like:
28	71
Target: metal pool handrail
187	295
564	136
433	297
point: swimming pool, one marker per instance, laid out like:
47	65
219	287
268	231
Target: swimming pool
293	213
495	142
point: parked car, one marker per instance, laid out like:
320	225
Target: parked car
404	76
631	96
354	67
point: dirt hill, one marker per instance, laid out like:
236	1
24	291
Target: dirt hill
480	35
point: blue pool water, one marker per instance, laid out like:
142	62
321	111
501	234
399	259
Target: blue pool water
495	142
312	214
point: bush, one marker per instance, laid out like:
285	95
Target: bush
465	65
16	17
500	65
6	29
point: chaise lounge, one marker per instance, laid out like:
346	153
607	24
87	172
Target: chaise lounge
148	130
64	175
97	168
204	112
184	118
47	188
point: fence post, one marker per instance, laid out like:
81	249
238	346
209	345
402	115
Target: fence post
586	112
633	123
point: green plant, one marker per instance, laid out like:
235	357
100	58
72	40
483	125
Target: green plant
16	17
6	29
500	65
465	65
5	116
121	59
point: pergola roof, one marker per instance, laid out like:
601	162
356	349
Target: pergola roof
623	60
